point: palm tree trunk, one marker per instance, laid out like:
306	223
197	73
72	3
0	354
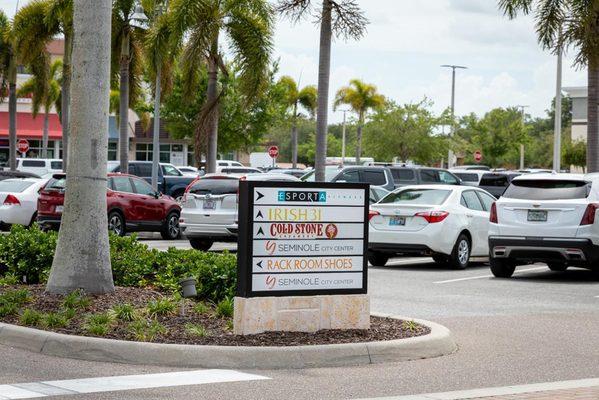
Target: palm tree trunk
211	99
12	115
82	258
124	104
66	96
324	72
592	121
45	134
359	139
294	137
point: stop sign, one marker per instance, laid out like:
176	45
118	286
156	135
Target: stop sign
478	155
273	151
23	146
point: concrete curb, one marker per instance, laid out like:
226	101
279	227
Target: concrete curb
438	343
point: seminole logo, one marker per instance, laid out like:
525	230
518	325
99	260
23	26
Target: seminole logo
271	281
302	196
270	247
331	231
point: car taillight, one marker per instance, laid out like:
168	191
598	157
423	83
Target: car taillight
493	214
589	214
432	216
11	201
372	214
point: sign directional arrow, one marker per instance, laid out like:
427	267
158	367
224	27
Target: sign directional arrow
259	215
260	195
259	264
260	232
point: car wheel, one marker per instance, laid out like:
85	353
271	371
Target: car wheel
502	268
201	244
460	256
557	267
378	259
440	258
171	229
116	223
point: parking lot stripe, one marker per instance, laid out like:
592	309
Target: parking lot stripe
489	276
120	383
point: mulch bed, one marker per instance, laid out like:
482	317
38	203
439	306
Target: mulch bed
218	329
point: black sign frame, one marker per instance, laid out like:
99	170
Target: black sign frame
246	232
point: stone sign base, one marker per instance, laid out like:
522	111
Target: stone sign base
301	313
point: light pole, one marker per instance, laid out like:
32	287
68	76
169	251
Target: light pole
557	127
452	131
141	17
522	107
343	139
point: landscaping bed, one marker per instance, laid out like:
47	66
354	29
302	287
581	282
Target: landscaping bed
142	314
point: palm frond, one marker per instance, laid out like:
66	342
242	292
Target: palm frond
511	8
308	98
30	30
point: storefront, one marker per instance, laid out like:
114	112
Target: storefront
31	129
173	151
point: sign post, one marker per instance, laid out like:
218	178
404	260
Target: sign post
23	146
273	152
302	263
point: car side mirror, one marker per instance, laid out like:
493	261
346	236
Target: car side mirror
157	195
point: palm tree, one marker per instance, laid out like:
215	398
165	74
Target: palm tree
82	258
306	98
342	18
37	23
45	93
8	73
248	26
564	23
127	44
361	97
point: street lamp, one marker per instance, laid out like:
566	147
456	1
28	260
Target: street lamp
557	128
451	132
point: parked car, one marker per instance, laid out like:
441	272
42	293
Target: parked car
132	206
469	177
375	176
473	167
298	173
548	218
189	171
446	222
415	175
171	181
228	163
209	210
7	174
238	170
376	194
19	201
39	166
496	182
535	171
330	171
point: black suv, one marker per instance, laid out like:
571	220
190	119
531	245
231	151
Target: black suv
496	182
403	176
375	176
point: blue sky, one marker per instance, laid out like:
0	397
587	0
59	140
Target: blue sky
408	40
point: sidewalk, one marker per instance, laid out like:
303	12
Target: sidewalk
590	393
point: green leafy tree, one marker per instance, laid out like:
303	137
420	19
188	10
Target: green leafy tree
574	153
361	97
45	94
294	98
339	18
200	28
569	23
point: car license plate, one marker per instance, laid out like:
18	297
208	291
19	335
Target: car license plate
537	216
59	209
397	221
209	205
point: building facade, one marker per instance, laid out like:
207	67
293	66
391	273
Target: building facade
579	96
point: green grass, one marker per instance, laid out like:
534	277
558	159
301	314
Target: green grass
202	308
76	299
161	307
8	309
31	317
17	297
100	319
146	331
9	280
224	309
196	330
54	320
97	329
99	324
125	312
410	326
69	313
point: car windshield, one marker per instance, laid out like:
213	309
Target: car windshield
215	186
548	189
56	183
329	174
14	186
417	196
498	180
168	170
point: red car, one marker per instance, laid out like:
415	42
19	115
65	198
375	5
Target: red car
133	206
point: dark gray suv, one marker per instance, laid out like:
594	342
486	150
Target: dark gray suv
403	176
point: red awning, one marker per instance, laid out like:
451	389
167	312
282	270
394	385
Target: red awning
31	128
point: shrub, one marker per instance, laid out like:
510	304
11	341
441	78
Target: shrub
54	320
125	312
76	299
99	324
9	280
196	330
69	313
202	308
145	331
31	317
8	309
28	252
17	297
224	309
163	306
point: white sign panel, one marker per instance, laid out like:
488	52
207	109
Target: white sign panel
308	281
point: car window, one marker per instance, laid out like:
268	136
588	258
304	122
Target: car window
14	186
236	170
56	184
417	196
448	178
467	177
498	180
470	200
349	176
222	164
215	186
142	187
33	163
402	174
122	184
548	189
487	200
429	175
56	164
329	174
376	178
169	170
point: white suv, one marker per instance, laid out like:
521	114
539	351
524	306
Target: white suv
209	207
546	218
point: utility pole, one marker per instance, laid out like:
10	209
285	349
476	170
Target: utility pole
452	131
557	128
522	107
